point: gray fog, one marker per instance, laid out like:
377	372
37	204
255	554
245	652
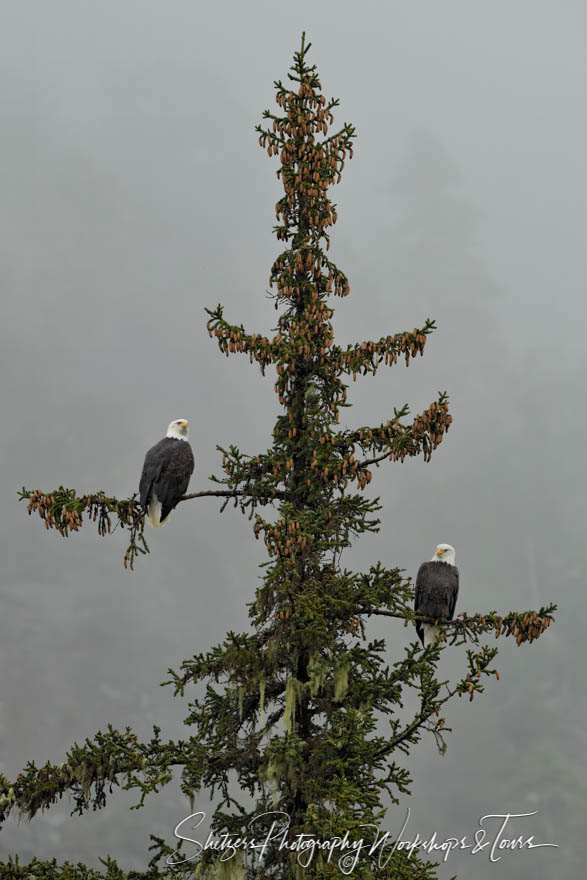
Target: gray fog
134	194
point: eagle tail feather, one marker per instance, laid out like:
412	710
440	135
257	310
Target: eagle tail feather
154	513
432	634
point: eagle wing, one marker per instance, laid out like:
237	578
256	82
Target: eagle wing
454	594
152	466
420	586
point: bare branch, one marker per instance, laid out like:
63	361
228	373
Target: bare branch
233	493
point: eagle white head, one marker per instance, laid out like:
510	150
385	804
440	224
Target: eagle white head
444	553
178	429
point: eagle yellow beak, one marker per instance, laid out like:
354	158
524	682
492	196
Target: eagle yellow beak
184	424
440	552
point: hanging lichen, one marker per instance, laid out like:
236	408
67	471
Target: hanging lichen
230	868
341	680
271	775
293	692
272	772
271	653
262	683
317	670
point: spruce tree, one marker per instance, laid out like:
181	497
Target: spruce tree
303	715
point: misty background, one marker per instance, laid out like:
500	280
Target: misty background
134	194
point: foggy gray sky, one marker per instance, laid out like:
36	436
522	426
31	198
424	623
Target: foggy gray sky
134	194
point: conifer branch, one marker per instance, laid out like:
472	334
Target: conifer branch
524	626
63	510
234	493
98	765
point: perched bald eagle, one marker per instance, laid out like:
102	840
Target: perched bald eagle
168	467
437	588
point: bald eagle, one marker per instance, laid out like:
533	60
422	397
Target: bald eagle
168	467
437	588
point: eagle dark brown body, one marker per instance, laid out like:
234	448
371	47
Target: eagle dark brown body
437	589
166	474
